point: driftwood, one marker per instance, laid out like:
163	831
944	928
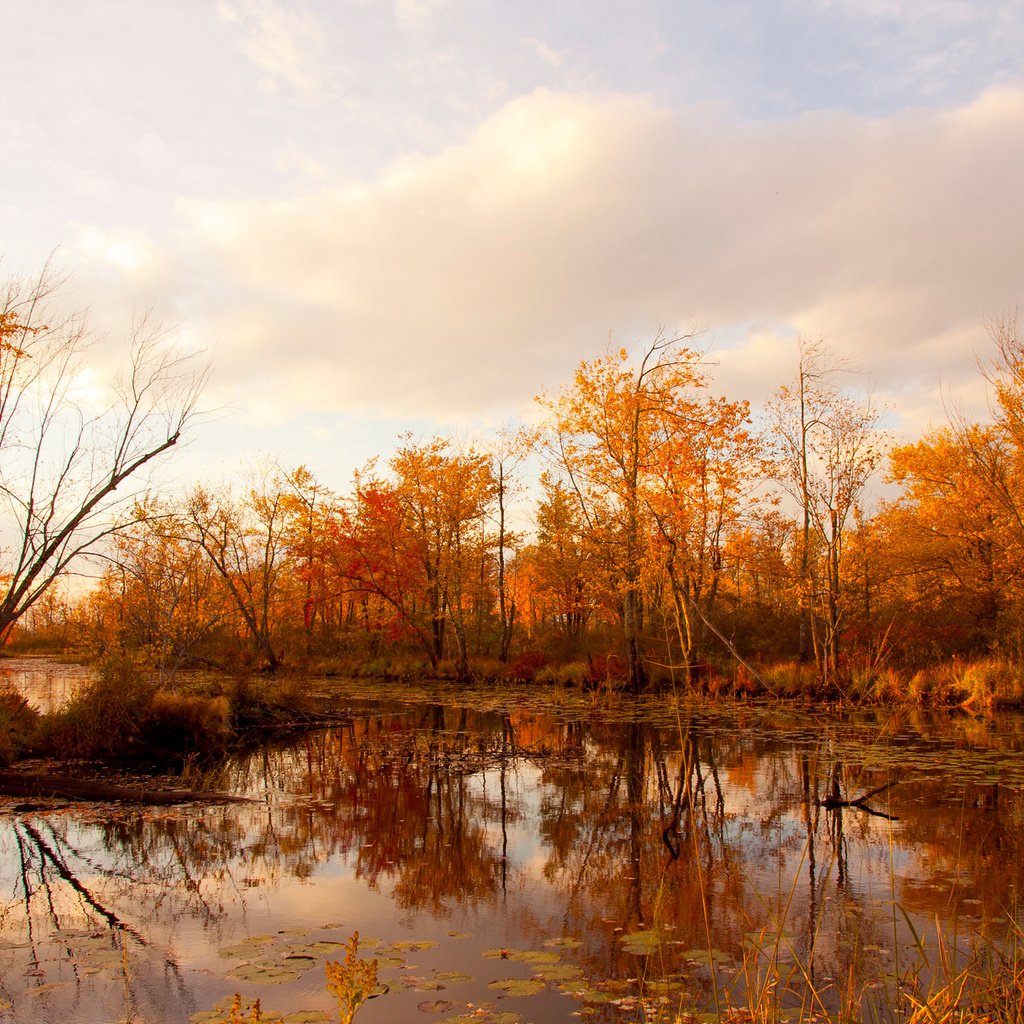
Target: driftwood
834	801
42	785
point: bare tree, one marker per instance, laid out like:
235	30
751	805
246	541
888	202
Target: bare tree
827	446
246	543
64	452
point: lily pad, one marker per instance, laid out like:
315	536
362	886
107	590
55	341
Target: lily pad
453	977
267	972
323	947
706	956
518	986
481	1015
530	956
410	945
558	972
240	950
435	1005
642	943
422	984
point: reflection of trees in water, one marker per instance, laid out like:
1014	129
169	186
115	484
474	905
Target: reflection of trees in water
78	908
711	831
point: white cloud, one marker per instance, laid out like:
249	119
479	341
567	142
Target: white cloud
460	284
285	42
547	53
418	15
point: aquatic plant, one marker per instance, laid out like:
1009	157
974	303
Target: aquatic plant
351	981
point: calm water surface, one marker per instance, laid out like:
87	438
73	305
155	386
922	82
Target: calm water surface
624	860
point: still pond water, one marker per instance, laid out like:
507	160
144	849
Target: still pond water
528	856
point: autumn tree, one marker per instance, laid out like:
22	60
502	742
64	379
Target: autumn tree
416	540
446	495
309	509
605	433
507	455
163	590
560	560
245	542
376	556
827	445
703	480
65	456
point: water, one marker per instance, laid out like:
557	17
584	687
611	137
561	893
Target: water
625	860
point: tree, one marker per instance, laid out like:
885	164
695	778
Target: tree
65	458
245	541
446	495
708	462
559	559
827	446
161	590
606	433
506	456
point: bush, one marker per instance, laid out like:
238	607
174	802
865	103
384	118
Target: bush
122	715
525	668
19	722
104	719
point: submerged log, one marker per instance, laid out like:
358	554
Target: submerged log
42	785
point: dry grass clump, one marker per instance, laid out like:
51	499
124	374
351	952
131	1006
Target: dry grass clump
574	673
18	724
991	683
123	715
791	679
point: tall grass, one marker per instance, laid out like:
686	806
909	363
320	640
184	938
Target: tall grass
19	723
124	715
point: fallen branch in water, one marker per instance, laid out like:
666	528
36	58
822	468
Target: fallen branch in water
834	802
41	785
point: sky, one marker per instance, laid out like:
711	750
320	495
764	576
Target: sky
415	215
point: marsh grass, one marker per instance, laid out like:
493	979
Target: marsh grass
19	723
123	714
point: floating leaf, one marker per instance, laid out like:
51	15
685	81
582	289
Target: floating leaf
518	986
307	1017
558	972
246	947
453	977
641	943
704	956
565	942
482	1015
314	949
435	1005
408	945
267	972
530	956
416	984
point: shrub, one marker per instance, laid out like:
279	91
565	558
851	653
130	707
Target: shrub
19	722
525	668
178	724
104	719
121	715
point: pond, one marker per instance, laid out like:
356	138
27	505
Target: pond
527	856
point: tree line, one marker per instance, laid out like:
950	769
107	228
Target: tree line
646	529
